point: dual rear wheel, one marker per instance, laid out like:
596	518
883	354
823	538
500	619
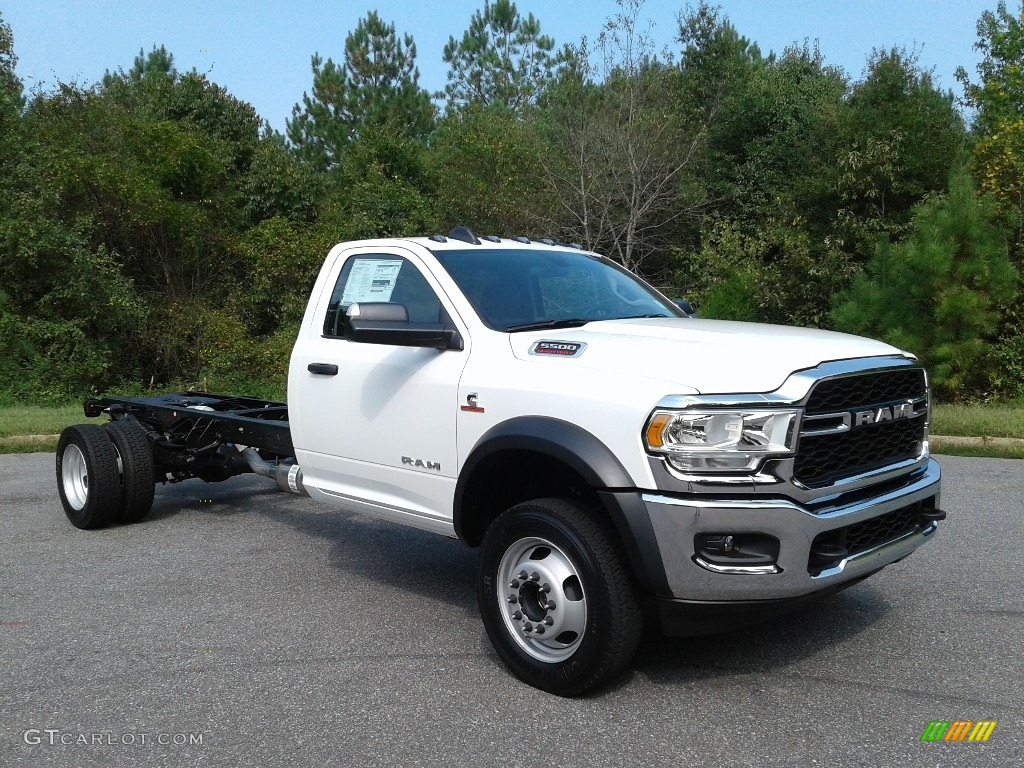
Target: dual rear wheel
105	474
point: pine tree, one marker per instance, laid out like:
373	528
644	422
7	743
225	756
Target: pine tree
939	293
376	85
501	60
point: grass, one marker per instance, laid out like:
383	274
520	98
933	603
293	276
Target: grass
37	419
26	446
18	421
1005	420
982	451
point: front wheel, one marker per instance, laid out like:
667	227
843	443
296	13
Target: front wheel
557	599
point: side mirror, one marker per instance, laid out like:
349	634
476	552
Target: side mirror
381	322
686	306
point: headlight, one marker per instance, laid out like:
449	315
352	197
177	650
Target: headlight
721	441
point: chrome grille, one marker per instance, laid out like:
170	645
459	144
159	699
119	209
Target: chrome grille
836	444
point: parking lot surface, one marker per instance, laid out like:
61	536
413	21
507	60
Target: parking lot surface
240	626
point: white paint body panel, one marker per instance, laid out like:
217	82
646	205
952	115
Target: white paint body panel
351	430
707	356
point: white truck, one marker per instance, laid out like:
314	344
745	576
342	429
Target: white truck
614	459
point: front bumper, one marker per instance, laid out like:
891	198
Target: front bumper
671	525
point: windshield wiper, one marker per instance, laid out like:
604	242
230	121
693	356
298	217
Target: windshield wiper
638	317
565	322
573	322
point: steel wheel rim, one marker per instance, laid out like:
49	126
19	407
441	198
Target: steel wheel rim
545	611
75	477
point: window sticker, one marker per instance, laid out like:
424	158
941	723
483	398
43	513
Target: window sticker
371	280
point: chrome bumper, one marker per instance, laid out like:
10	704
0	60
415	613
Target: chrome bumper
677	520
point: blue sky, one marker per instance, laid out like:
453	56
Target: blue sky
260	51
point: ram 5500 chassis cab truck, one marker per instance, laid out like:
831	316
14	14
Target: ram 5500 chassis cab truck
614	459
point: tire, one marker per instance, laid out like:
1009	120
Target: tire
558	601
87	476
136	470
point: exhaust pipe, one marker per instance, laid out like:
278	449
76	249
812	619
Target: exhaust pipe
287	474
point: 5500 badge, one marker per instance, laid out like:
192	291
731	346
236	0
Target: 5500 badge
558	348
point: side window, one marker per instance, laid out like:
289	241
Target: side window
381	277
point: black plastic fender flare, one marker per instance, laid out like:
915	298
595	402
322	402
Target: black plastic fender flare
592	460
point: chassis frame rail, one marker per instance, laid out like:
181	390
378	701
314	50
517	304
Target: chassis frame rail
197	422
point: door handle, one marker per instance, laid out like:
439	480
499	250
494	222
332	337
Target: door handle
323	369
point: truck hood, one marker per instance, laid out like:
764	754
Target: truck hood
709	356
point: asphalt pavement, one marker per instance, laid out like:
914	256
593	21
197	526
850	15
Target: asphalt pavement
240	626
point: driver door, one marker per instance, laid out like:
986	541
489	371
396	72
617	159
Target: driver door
380	435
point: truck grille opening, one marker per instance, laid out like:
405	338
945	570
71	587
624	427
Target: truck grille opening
848	392
823	459
865	535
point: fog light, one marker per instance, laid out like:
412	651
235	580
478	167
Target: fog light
737	548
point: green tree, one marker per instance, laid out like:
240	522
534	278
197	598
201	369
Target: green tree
277	184
502	59
939	294
10	86
769	172
781	133
996	96
156	65
148	182
386	188
998	100
716	61
153	90
900	136
377	84
716	65
485	163
66	300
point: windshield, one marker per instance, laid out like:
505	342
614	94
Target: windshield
521	289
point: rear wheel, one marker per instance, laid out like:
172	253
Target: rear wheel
87	476
557	599
136	467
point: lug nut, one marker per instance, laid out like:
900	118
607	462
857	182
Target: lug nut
514	584
534	576
545	587
548	620
523	575
518	615
551	605
540	629
513	599
528	627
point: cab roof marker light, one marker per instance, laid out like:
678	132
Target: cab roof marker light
465	235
